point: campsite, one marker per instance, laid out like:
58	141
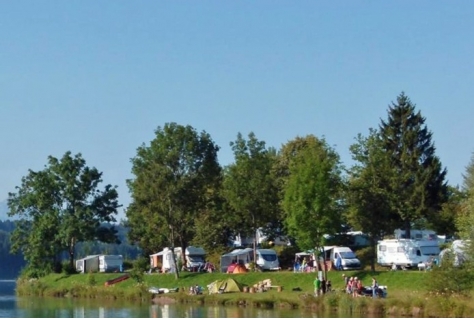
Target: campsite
407	289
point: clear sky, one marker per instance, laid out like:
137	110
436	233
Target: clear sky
98	77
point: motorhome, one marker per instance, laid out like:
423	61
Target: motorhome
267	259
195	258
348	259
406	252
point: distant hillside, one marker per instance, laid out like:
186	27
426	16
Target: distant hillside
3	210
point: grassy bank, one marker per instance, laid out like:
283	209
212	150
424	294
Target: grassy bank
407	295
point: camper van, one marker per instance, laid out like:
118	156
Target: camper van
195	258
406	252
267	259
348	259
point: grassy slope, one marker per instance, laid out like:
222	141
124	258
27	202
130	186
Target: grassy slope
401	281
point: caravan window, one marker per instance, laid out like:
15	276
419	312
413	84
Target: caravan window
382	248
269	257
392	249
400	249
347	255
196	259
430	250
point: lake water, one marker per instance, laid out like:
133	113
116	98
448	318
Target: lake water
12	306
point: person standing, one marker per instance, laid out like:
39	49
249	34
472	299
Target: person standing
317	286
375	286
338	262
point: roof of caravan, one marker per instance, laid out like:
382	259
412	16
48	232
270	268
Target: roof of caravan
410	241
266	251
238	252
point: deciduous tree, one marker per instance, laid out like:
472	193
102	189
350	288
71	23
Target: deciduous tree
59	207
313	192
369	208
172	176
249	186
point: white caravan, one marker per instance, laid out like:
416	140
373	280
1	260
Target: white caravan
164	259
260	237
239	256
88	264
110	263
420	234
406	252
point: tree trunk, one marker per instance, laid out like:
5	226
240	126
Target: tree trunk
407	229
71	253
373	248
173	259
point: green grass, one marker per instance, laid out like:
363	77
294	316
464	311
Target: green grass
407	293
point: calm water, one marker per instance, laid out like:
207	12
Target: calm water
28	307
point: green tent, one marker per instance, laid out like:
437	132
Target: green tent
226	285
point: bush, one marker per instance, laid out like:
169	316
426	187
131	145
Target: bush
67	268
448	279
365	255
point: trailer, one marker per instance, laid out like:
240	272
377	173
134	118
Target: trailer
88	264
110	263
406	253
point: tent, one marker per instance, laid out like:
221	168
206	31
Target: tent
238	256
226	285
239	269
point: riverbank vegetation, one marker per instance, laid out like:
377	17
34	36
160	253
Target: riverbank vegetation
408	292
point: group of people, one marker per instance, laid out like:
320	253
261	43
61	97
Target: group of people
195	290
321	286
304	265
354	286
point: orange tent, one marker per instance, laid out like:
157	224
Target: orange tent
239	269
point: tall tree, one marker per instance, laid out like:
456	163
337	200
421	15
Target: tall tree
172	176
367	198
61	205
312	200
418	180
249	186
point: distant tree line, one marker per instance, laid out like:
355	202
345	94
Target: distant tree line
182	196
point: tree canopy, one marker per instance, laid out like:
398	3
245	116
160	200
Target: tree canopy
171	178
249	185
61	205
417	181
313	194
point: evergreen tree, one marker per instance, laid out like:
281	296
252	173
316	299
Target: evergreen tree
417	182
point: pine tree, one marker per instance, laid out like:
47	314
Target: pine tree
417	184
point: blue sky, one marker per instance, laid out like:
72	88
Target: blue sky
98	77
